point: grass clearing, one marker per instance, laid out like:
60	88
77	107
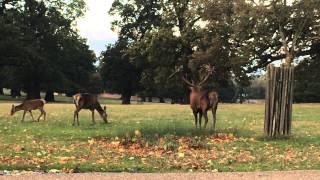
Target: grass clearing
156	138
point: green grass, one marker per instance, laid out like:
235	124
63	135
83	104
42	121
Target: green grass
237	145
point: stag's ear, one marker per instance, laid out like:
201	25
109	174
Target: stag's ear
104	108
12	106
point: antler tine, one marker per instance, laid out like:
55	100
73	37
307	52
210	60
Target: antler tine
188	82
174	73
210	70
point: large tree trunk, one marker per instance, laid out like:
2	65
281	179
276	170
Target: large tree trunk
33	91
173	100
126	98
1	91
150	99
49	96
15	92
161	99
33	94
241	98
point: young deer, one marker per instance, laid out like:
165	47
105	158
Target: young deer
29	105
202	100
88	101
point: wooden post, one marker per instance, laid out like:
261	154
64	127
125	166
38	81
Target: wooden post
279	95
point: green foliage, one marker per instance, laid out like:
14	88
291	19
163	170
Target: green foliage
307	82
136	17
163	45
118	74
41	51
236	37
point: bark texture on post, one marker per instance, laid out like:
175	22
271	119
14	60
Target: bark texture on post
279	99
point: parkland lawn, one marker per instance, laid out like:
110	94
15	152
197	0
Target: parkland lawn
156	138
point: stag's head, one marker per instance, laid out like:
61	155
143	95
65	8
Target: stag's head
13	110
197	87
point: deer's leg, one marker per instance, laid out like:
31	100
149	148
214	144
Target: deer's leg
200	117
93	121
78	117
24	113
214	112
75	114
38	119
206	118
44	114
31	115
195	114
39	115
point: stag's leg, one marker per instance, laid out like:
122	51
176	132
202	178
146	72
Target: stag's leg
24	113
206	118
200	118
195	114
93	121
31	115
214	112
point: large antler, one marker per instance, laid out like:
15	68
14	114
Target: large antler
210	70
188	82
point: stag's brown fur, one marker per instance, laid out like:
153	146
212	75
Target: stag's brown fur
88	101
29	105
200	102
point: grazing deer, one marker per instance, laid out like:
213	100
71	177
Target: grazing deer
29	105
202	100
88	101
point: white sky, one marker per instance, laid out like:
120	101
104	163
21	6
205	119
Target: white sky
95	26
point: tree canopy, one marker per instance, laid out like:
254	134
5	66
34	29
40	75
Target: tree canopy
40	48
236	37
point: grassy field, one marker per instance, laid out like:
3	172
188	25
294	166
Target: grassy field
156	138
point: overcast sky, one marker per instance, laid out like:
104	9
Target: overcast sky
95	25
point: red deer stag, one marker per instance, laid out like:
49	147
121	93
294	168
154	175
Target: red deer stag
202	100
29	105
88	101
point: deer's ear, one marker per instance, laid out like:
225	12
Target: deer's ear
104	108
12	106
